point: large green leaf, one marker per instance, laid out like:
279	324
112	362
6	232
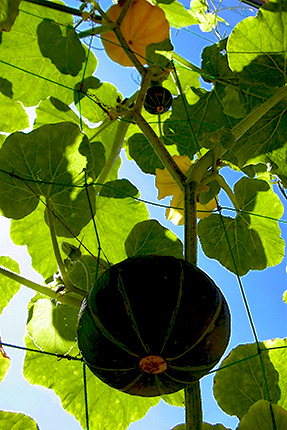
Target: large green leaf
257	46
50	171
65	51
260	417
278	356
114	221
33	232
52	326
108	408
33	76
8	287
12	115
99	99
240	381
252	240
151	238
16	420
9	10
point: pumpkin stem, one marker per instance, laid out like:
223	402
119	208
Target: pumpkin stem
193	407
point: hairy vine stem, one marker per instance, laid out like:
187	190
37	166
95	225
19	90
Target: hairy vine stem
63	298
122	129
160	150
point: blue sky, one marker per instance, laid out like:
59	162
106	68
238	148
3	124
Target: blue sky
263	289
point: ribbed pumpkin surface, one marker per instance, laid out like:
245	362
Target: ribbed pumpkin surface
143	24
152	325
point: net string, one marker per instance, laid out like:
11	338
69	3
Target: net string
86	185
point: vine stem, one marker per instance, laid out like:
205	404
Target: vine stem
61	266
120	134
160	150
193	407
63	298
55	6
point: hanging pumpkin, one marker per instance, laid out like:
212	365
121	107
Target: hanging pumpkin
143	24
158	100
152	325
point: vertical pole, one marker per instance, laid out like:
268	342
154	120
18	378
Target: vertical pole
193	407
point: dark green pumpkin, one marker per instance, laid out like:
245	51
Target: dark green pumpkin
158	100
152	325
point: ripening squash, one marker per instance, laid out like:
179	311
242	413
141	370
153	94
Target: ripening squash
158	100
152	325
143	24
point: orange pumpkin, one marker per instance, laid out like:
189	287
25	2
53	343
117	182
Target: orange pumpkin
143	24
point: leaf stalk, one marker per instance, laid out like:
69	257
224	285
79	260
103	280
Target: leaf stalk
63	298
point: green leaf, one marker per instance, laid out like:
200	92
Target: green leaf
256	47
114	221
16	421
175	399
241	384
95	99
52	326
176	14
119	189
77	273
278	357
285	296
4	363
151	238
9	10
108	408
12	115
259	417
65	51
51	171
205	426
52	111
252	240
233	103
142	152
33	76
278	162
159	54
34	232
8	287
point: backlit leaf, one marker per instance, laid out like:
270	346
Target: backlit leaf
278	356
241	384
114	221
252	240
4	363
46	163
12	115
8	287
257	46
9	10
33	76
65	51
260	417
108	408
151	238
34	232
16	420
52	326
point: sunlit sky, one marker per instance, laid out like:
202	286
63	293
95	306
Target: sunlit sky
263	289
